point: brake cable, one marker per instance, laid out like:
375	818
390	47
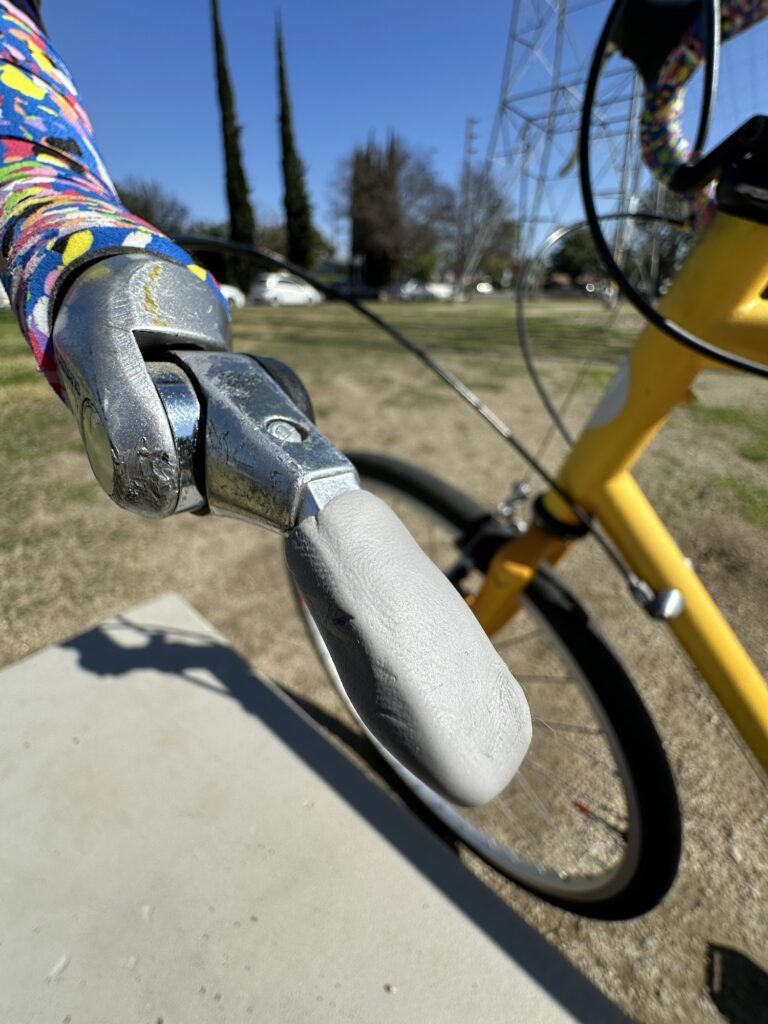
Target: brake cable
640	589
647	311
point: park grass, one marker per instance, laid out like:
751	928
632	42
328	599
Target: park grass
751	498
17	368
749	426
598	377
557	329
476	340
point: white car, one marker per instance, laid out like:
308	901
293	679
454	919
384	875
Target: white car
440	290
284	290
233	295
415	291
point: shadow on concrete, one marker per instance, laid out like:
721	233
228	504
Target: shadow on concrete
122	646
359	745
738	986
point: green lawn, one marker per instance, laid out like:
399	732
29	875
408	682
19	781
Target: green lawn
562	328
749	427
558	329
476	340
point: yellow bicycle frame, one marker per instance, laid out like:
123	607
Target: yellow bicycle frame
717	296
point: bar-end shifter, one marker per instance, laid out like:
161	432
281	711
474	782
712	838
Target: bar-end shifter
142	351
172	421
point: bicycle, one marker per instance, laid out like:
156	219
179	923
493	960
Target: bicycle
606	840
173	422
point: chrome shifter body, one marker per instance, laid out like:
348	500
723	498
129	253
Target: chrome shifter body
171	420
264	459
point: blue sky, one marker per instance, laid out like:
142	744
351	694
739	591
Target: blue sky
146	74
146	77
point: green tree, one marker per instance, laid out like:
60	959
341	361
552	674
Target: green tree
498	259
298	213
576	255
242	224
658	248
374	206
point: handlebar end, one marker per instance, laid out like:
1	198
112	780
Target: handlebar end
414	662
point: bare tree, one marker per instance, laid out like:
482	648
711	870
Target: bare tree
483	225
150	201
429	212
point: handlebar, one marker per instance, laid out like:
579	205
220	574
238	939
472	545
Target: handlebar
172	421
415	663
750	139
59	210
665	42
135	337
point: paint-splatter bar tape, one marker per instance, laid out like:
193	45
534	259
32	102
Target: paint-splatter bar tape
58	206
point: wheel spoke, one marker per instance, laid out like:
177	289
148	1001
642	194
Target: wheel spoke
567	841
595	761
582	730
581	805
571	824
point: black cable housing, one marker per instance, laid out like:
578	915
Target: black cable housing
711	73
649	312
203	243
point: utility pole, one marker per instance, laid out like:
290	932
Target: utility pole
464	218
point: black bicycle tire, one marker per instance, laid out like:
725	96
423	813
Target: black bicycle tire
648	768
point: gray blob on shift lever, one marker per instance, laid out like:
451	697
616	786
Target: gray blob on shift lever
415	663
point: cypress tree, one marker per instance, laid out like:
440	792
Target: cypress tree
298	213
242	225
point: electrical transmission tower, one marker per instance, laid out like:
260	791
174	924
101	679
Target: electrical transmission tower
531	157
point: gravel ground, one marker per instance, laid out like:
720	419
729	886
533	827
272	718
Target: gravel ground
68	559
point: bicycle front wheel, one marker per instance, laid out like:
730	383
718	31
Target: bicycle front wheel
591	821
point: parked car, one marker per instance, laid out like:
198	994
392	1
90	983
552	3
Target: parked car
357	290
416	291
441	290
280	289
233	295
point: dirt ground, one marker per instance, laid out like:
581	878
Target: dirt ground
68	559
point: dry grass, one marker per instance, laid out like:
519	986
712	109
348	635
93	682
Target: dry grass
68	559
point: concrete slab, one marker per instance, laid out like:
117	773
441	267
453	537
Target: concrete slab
180	844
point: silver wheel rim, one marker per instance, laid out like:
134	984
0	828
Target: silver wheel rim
544	878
